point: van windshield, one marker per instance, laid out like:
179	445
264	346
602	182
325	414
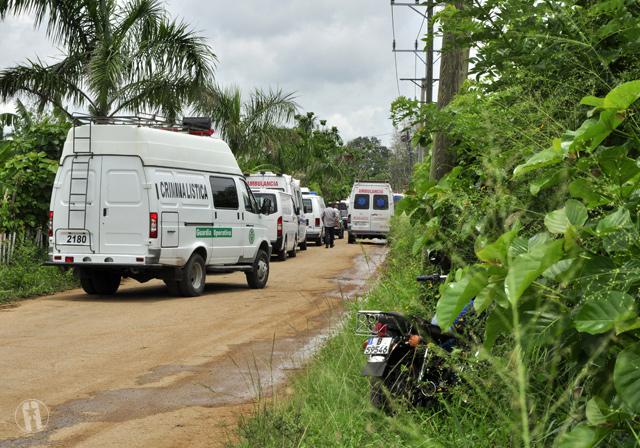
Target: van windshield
380	202
308	206
361	202
260	197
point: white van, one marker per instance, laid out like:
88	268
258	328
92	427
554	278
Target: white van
313	208
370	210
288	184
144	202
281	221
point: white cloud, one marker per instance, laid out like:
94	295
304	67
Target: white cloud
335	54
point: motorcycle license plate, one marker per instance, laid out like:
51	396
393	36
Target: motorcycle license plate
378	346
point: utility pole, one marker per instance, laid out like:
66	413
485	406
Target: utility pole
454	67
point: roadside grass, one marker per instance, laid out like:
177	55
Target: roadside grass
327	405
26	277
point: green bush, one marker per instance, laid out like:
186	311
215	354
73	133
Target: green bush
25	276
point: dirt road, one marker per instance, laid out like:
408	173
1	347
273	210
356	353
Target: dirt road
147	369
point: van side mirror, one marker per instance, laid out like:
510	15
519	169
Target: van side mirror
266	206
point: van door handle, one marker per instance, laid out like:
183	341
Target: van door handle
171	231
249	225
104	211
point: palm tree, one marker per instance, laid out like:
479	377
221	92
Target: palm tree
252	127
119	56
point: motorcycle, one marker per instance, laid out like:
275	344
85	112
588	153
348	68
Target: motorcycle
402	363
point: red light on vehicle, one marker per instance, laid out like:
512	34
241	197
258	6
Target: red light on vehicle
279	228
317	222
57	257
68	259
50	227
207	132
380	329
153	225
139	259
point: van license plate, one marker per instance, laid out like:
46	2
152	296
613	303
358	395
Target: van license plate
72	238
378	346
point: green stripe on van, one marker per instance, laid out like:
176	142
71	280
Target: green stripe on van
214	232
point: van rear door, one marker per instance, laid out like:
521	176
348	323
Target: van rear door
380	214
361	213
124	206
77	231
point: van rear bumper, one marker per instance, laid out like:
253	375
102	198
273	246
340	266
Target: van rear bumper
368	234
103	260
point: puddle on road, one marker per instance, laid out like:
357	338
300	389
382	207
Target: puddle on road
250	371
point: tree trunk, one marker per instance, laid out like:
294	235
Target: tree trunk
454	67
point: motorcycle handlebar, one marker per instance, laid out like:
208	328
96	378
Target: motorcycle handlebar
434	278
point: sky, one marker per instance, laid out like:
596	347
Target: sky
335	55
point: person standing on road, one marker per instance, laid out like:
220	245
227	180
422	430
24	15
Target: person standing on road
330	217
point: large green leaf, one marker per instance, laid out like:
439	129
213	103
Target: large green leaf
456	295
601	313
574	213
546	157
585	190
498	322
597	412
497	251
527	267
581	436
618	220
617	166
622	96
626	377
592	132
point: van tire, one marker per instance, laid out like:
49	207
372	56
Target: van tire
303	245
294	252
87	284
351	238
282	253
105	283
257	278
193	277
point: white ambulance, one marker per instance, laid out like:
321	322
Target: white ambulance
370	210
290	185
134	200
313	206
280	221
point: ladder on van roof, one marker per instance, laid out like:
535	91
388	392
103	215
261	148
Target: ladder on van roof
79	182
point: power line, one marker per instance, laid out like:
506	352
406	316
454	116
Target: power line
395	56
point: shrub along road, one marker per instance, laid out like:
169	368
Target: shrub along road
147	369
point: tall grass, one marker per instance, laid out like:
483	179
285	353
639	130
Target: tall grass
328	405
25	276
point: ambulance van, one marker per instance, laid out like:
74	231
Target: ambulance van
290	185
371	208
313	207
131	199
281	221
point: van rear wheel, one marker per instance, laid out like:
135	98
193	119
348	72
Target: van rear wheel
351	238
193	277
87	284
105	282
303	245
282	253
293	252
258	276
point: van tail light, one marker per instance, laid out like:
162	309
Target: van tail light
153	225
317	222
50	226
279	228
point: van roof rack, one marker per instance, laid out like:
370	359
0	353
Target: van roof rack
192	125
